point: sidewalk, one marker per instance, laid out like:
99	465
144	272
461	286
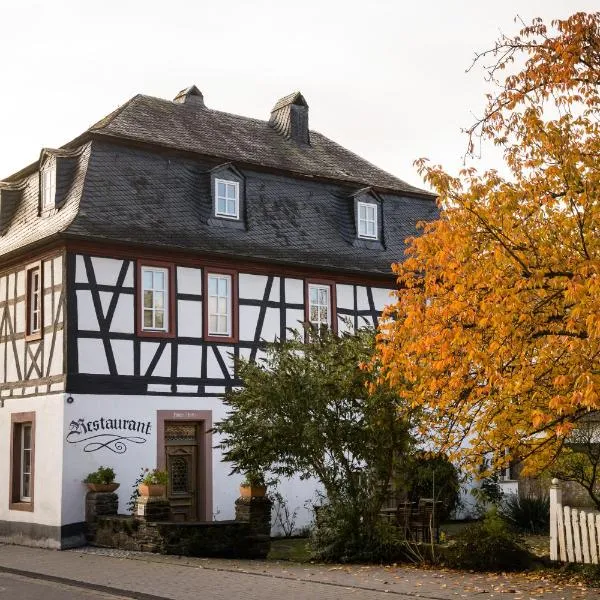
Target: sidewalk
154	577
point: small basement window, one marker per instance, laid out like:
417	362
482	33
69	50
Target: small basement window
227	199
367	220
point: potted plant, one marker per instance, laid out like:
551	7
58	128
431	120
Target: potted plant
253	486
101	480
154	483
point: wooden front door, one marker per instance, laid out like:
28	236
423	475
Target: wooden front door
182	449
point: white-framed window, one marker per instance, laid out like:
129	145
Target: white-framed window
367	220
25	463
34	300
155	296
48	187
219	304
227	199
319	304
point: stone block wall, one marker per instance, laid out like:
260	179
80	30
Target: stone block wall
225	539
148	530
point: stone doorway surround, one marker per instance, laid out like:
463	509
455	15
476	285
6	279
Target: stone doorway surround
204	477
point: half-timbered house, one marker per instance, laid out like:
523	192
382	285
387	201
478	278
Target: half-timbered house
138	260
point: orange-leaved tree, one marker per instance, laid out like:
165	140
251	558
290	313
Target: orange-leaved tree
495	329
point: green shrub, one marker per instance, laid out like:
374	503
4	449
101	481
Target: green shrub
155	477
488	545
102	475
528	514
433	477
336	537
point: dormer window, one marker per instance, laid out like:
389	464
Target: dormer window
367	221
48	188
227	199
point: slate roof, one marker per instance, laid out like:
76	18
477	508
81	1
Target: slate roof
122	192
142	197
193	127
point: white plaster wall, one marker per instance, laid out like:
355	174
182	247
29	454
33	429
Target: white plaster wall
77	463
48	461
381	297
345	296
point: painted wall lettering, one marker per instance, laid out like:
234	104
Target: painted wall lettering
109	433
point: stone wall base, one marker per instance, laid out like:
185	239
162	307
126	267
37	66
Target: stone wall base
225	539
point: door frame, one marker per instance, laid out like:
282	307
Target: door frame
204	475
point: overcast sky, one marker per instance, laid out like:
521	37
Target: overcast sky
384	78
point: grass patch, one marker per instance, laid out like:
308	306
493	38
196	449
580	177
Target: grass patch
292	549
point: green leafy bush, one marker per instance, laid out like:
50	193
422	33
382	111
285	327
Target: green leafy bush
155	477
489	545
529	514
433	477
338	537
102	475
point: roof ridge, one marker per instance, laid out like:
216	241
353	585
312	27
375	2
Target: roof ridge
110	117
142	127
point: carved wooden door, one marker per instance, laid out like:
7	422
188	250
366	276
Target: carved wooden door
181	447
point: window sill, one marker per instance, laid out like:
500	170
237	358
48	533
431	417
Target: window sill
23	506
220	339
34	337
155	334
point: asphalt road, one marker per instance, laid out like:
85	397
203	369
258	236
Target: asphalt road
16	587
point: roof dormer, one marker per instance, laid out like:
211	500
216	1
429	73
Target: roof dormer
10	195
57	170
368	218
228	194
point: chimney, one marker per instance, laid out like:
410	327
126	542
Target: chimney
290	118
191	95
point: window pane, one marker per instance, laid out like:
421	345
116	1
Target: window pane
222	205
159	280
159	299
212	324
26	486
147	279
221	189
323	295
314	314
148	299
212	285
147	318
314	294
223	324
212	305
27	436
27	461
362	211
223	286
324	317
231	209
159	319
222	306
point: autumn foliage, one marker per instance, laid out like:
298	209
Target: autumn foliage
495	330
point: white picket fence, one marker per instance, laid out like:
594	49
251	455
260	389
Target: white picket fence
574	532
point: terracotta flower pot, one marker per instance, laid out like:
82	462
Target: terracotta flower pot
102	487
151	490
253	491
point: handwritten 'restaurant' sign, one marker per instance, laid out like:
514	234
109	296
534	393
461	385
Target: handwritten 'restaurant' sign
108	433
